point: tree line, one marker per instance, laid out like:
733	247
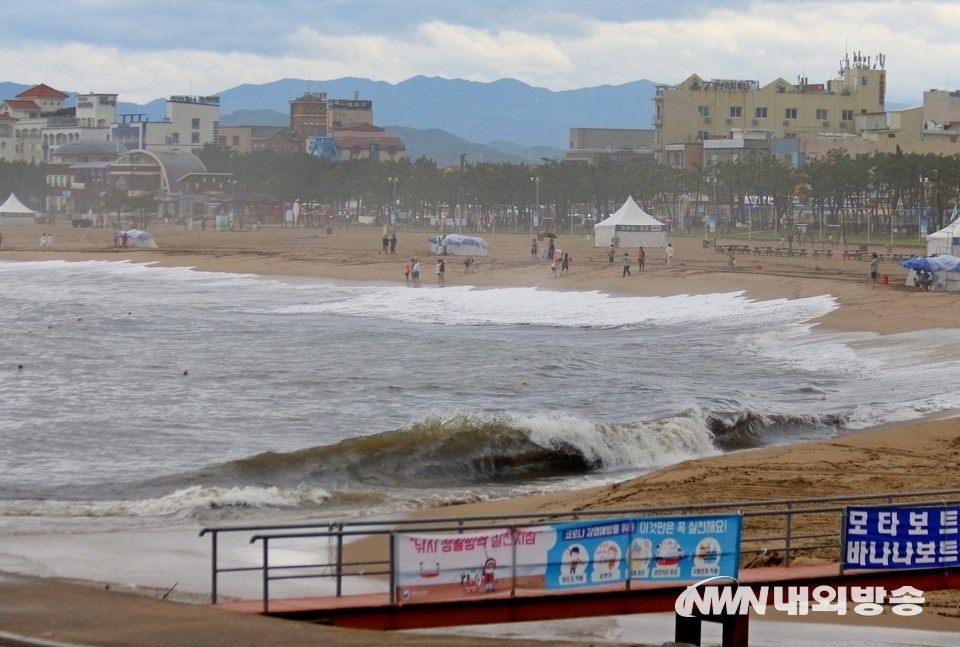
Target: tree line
876	185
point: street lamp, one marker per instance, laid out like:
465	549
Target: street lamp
393	180
536	180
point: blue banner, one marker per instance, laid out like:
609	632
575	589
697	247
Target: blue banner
588	554
712	218
895	537
687	548
656	549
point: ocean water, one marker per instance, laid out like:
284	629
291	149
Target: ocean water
143	393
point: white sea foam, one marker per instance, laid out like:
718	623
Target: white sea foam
628	445
530	306
180	503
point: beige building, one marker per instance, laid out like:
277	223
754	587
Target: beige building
700	109
594	145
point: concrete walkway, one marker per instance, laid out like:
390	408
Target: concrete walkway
49	612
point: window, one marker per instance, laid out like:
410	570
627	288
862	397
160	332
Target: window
175	138
736	112
195	123
236	140
847	115
703	135
822	113
790	113
760	113
863	80
704	111
194	138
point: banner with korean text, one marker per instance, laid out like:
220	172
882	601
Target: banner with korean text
429	567
685	548
900	537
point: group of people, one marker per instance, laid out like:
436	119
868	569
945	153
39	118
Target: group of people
411	271
46	239
120	239
389	242
627	262
561	263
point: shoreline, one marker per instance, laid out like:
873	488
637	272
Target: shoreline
893	457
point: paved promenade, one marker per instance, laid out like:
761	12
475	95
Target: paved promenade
48	612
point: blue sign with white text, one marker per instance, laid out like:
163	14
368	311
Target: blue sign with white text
686	548
589	554
895	537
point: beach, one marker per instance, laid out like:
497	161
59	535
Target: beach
909	456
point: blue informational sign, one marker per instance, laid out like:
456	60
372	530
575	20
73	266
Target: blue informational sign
685	549
654	549
923	225
894	537
712	218
589	554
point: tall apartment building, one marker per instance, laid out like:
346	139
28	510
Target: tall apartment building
189	123
308	115
699	109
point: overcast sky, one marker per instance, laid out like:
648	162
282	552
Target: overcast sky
147	49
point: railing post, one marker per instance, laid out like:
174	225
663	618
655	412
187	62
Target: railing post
339	559
266	577
789	529
393	570
843	538
213	569
513	562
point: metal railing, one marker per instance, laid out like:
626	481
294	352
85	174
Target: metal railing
764	545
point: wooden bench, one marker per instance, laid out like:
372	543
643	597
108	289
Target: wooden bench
852	254
759	250
826	253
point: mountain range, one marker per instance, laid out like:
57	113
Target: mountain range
504	120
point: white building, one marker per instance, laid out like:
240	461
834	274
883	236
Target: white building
190	123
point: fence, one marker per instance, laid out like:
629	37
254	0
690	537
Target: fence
810	525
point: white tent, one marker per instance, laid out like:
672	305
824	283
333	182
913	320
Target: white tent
457	245
13	212
138	238
633	226
945	241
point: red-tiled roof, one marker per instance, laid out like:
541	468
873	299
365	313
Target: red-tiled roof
21	104
7	118
42	90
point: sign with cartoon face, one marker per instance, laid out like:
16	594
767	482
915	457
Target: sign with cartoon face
588	554
685	548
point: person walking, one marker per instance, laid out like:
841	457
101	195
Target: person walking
415	272
533	249
641	257
874	266
626	264
670	253
406	272
565	264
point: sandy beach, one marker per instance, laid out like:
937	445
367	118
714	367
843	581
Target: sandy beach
909	457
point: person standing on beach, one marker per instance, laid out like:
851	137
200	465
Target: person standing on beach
385	242
441	268
415	272
626	264
611	253
43	239
565	264
533	249
406	272
550	250
670	252
874	266
553	269
393	244
641	257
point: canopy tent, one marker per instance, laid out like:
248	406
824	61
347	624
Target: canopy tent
13	212
457	245
944	271
633	226
138	238
945	240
